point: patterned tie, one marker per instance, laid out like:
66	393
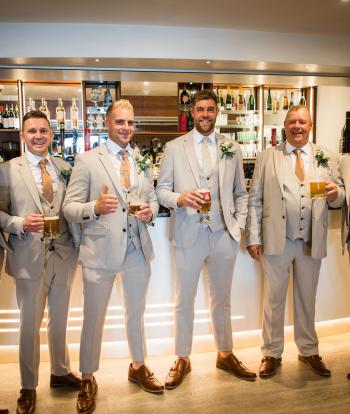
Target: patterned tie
299	165
207	164
124	170
46	181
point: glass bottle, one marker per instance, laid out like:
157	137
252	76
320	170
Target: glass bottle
60	114
228	104
184	97
108	100
16	112
240	105
251	101
302	98
5	118
285	101
74	115
345	140
269	101
291	102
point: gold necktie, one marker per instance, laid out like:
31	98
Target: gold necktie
299	165
124	170
207	164
46	181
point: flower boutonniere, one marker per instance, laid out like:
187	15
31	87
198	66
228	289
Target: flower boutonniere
65	174
143	163
321	159
227	149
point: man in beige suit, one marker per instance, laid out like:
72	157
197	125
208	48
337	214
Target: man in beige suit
197	160
287	228
102	183
32	187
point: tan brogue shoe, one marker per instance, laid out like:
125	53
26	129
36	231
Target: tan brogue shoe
145	379
234	365
316	364
26	402
268	367
177	373
86	397
72	380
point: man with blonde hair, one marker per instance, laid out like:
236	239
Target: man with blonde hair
101	185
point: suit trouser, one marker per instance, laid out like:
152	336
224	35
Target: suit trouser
219	251
305	279
135	276
53	285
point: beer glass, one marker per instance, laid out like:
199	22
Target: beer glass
135	202
51	227
317	188
205	207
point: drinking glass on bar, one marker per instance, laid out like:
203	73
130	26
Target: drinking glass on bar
205	207
317	188
51	227
135	202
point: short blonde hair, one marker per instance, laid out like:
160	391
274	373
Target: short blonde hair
296	108
121	104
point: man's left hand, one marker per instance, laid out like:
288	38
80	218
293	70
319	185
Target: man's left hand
332	191
145	213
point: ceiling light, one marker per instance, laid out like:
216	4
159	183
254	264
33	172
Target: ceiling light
101	81
208	61
146	83
97	60
307	66
344	1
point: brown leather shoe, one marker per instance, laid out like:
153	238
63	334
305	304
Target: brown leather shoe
177	373
234	366
72	380
269	366
145	379
316	364
86	397
26	402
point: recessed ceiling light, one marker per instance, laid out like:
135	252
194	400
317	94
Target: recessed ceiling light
344	1
307	66
97	60
101	81
208	61
146	83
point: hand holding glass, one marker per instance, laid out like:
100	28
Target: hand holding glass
51	227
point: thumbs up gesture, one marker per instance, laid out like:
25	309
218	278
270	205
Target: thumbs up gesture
106	203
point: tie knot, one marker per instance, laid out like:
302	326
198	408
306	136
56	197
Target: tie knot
297	151
43	163
123	154
205	140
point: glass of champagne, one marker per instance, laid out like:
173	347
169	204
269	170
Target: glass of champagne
51	227
317	188
205	207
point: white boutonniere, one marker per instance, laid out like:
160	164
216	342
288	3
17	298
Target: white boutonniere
227	149
143	163
65	174
321	159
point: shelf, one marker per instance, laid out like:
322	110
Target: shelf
255	111
249	159
159	133
9	130
237	126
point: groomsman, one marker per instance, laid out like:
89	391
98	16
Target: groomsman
103	181
286	228
202	159
31	188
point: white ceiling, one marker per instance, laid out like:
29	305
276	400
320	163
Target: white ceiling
326	17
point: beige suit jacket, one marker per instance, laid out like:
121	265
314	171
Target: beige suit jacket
266	224
179	173
104	239
19	197
344	171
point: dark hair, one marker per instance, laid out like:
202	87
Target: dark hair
204	95
34	114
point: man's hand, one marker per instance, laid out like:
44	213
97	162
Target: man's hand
191	199
145	213
34	223
332	191
255	251
106	203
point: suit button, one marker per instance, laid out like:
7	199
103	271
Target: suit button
42	239
124	230
129	225
301	229
282	198
208	178
302	218
52	249
283	217
51	207
302	208
302	196
301	185
124	210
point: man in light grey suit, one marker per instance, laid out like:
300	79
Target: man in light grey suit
43	269
287	228
202	159
102	182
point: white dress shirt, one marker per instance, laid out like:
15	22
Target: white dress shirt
198	142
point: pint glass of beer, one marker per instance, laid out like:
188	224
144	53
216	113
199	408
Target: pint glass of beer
205	192
135	202
51	227
317	188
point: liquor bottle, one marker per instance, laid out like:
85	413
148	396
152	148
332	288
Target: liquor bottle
31	106
74	115
345	140
183	121
5	118
251	101
42	106
11	118
75	142
61	143
291	102
222	103
273	137
60	114
240	104
269	101
1	111
184	97
302	98
108	100
190	122
228	103
285	101
275	103
47	112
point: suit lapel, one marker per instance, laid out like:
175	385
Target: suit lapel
191	156
139	177
221	160
278	159
27	175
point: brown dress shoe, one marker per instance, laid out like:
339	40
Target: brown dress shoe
145	379
269	366
316	364
26	402
177	373
71	380
86	397
233	365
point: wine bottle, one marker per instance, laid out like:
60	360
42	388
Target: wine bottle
345	140
190	122
302	98
31	106
251	101
184	97
285	101
11	117
47	112
60	114
1	111
42	106
74	115
269	101
108	100
291	102
222	103
16	113
5	118
228	103
275	103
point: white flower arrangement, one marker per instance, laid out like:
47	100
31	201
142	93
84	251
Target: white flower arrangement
227	149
